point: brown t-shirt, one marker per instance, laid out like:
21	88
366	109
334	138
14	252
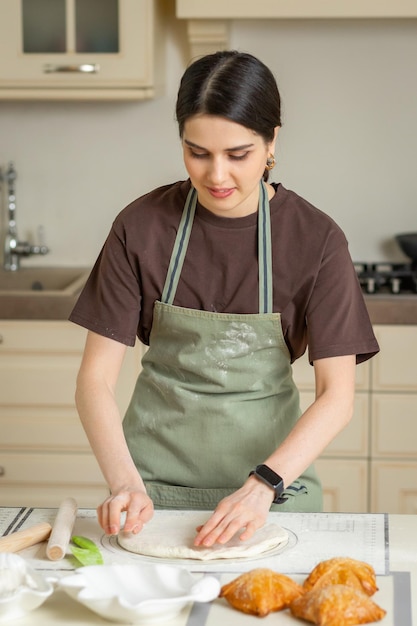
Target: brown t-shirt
314	282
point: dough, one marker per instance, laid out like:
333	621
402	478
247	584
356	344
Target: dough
171	537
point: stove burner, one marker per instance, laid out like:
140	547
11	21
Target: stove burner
395	278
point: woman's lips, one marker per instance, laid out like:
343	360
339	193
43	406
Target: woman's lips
219	192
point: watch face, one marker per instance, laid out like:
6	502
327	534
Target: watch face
269	475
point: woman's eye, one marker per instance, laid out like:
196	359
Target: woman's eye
238	157
232	156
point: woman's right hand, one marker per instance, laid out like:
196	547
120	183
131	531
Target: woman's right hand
135	502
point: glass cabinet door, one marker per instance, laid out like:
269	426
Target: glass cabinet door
96	26
57	26
43	26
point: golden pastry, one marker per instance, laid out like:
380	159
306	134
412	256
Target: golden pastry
343	571
260	592
336	605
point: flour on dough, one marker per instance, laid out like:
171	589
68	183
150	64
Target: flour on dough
172	538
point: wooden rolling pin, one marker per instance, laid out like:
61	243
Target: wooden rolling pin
62	529
25	538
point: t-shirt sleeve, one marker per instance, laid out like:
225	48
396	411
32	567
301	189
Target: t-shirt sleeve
337	319
110	302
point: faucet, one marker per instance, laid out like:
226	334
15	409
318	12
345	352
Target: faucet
13	248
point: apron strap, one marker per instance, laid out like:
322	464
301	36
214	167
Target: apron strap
264	250
180	248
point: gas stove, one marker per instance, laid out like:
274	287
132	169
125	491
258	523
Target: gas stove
394	278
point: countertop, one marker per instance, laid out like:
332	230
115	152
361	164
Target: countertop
22	299
388	542
382	308
392	309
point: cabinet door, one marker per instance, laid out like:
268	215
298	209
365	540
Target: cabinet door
345	485
394	425
394	368
77	44
47	496
39	362
44	453
353	441
303	374
394	487
32	479
42	428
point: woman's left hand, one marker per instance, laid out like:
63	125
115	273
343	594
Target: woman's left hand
247	508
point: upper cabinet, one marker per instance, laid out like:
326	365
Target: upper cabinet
81	49
208	21
267	9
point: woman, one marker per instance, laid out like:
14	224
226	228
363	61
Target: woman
228	279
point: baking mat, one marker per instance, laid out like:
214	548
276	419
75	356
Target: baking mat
314	537
394	596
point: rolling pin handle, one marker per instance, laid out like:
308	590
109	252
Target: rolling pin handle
62	529
25	538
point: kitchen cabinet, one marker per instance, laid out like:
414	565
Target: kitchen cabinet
372	465
44	453
345	486
343	465
208	22
394	421
81	49
267	9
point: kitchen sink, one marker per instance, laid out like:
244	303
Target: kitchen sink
40	292
41	279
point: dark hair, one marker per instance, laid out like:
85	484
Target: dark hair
234	85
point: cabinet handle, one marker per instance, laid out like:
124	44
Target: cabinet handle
83	68
1	339
2	470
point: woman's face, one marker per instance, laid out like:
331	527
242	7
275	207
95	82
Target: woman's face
225	162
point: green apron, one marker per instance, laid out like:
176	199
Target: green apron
216	396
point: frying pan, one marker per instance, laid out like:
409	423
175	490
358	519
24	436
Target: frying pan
408	244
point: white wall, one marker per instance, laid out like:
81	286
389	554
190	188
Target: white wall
349	137
348	142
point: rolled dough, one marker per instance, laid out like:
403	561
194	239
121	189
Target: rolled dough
167	538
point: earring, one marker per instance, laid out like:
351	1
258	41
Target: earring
270	162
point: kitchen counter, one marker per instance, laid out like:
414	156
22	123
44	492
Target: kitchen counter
50	293
388	542
383	309
392	309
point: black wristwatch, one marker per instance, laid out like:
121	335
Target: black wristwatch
272	479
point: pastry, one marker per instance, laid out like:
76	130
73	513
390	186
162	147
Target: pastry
344	571
336	605
260	592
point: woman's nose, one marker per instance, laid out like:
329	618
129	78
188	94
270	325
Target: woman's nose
217	171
